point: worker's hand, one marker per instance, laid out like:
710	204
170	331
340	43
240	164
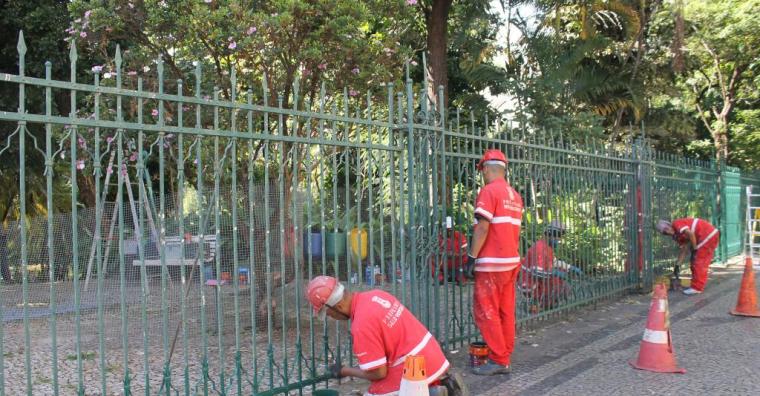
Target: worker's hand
469	268
335	370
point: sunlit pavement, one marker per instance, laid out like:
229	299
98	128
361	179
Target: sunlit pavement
587	352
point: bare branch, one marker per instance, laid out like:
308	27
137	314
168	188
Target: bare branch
701	112
716	61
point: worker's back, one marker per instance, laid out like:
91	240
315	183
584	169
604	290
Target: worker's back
385	332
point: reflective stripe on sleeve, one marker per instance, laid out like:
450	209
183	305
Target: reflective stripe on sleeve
488	215
373	364
506	219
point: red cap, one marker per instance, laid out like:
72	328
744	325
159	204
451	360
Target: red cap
492	155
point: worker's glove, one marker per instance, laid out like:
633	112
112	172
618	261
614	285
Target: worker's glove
469	267
335	369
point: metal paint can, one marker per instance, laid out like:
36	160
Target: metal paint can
478	353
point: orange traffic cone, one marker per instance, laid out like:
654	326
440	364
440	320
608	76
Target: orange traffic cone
414	380
746	303
656	350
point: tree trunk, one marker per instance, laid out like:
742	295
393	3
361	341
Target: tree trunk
720	137
436	19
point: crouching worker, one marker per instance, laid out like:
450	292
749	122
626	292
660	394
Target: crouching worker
384	333
543	275
698	237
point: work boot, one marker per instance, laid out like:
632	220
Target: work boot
491	368
438	390
690	291
455	385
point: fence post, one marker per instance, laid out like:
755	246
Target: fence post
643	216
720	216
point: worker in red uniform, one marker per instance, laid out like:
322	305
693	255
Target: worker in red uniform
543	276
700	238
384	333
494	261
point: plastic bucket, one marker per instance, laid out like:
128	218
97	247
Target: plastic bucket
359	244
313	240
335	244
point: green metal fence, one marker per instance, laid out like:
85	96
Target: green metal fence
192	217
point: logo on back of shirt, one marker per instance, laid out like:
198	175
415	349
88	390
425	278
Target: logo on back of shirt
384	303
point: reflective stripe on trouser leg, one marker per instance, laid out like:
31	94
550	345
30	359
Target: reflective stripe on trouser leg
493	311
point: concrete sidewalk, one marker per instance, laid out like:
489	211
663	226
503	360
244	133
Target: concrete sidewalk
587	352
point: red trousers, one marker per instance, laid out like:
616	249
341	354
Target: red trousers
700	261
494	312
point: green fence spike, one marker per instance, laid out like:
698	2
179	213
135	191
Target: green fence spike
117	58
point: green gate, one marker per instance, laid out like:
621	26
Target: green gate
733	213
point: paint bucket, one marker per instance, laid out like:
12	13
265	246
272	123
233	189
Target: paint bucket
478	354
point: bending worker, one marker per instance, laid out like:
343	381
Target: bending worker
700	238
384	333
494	262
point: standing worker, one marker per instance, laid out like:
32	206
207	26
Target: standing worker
700	238
384	333
494	261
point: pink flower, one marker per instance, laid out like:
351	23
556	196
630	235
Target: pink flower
80	164
232	45
251	30
124	170
109	170
109	139
97	69
87	13
351	92
154	112
131	73
355	70
411	2
83	34
82	142
322	66
133	157
131	5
